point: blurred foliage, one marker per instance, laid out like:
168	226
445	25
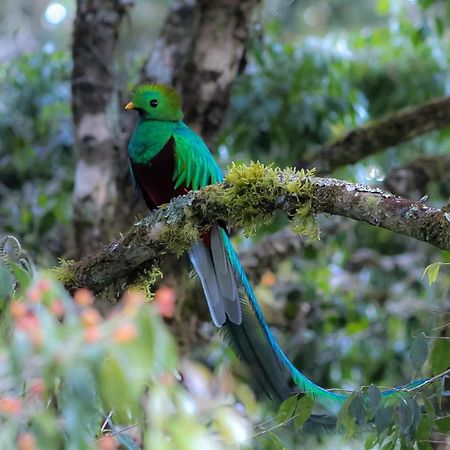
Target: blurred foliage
36	167
70	378
299	94
347	309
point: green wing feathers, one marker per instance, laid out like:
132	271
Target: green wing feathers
194	165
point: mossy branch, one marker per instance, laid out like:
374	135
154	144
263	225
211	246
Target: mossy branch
248	197
379	135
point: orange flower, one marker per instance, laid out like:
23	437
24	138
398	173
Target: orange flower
125	333
43	286
83	297
90	317
268	279
92	334
35	295
10	405
29	324
26	441
165	301
166	379
108	442
18	309
57	308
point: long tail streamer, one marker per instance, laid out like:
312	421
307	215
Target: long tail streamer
251	337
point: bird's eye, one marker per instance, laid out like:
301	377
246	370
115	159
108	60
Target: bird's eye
153	103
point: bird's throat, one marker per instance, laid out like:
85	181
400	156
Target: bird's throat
149	138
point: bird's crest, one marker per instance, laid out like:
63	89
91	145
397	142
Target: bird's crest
168	92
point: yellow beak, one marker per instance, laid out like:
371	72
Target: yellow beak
129	105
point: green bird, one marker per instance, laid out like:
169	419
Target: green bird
167	159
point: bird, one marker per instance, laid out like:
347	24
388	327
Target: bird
167	159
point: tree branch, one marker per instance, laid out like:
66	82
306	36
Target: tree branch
378	136
413	178
372	205
269	252
173	228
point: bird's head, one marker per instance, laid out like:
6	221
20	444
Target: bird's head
156	102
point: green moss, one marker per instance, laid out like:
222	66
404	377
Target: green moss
304	222
248	199
147	280
178	239
256	190
64	272
371	203
177	229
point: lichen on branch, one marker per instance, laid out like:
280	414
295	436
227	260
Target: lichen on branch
247	199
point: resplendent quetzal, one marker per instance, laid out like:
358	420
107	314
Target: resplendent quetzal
167	159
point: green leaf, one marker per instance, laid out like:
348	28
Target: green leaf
356	407
345	420
383	418
43	426
373	397
383	7
423	445
443	425
117	393
304	410
23	278
440	27
425	4
6	283
432	271
425	427
418	351
440	356
287	409
275	442
371	441
405	415
417	409
429	407
391	444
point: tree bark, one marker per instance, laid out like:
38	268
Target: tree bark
98	148
146	241
200	51
376	137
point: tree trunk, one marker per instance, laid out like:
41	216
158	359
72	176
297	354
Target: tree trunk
201	50
98	148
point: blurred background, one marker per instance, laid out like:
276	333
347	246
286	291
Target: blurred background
345	308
